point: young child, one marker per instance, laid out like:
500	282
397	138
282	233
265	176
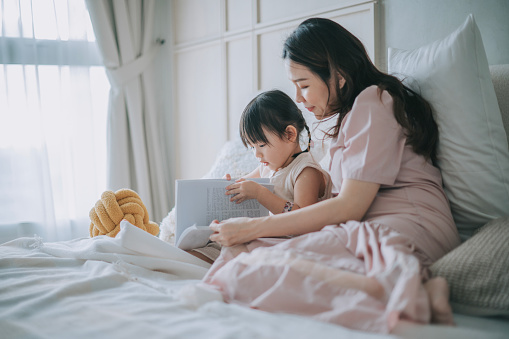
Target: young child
271	125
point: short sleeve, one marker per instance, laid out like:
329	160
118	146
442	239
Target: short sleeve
373	140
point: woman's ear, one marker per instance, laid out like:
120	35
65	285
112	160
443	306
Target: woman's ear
291	133
342	80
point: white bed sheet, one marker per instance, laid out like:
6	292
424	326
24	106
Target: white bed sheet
137	286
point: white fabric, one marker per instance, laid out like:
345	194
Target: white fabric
53	104
124	31
233	158
137	286
453	75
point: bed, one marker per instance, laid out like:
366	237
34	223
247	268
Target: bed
138	285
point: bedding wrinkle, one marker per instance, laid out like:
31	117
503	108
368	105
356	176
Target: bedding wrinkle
88	277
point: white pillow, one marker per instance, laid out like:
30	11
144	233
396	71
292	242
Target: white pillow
233	158
453	75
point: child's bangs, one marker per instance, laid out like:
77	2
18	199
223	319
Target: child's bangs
252	133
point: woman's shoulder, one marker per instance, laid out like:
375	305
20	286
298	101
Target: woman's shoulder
374	95
372	106
373	100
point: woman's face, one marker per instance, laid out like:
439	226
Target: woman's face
311	90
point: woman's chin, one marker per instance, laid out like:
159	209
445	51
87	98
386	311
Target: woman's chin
323	116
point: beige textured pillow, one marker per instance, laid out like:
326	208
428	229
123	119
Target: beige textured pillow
478	271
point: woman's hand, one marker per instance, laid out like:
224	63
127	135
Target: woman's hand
234	231
243	190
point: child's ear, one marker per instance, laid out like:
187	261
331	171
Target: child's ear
291	133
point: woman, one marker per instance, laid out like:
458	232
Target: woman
361	258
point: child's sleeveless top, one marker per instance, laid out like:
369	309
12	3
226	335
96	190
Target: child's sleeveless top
284	179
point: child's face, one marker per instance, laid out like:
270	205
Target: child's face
276	154
310	89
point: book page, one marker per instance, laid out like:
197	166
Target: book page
220	207
201	201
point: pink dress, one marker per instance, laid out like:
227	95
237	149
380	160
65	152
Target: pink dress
407	227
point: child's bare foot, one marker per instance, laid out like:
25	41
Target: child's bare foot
438	294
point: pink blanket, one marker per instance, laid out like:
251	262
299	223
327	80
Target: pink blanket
299	276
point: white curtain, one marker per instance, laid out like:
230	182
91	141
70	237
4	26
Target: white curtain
124	31
53	103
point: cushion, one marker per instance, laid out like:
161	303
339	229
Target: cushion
453	75
500	78
477	271
233	158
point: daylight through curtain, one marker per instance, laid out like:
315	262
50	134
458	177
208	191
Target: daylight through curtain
136	156
53	103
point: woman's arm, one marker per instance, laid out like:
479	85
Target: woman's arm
351	204
306	191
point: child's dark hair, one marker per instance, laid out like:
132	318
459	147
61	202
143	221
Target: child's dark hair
329	50
273	110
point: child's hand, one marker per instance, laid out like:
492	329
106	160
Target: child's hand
227	176
243	190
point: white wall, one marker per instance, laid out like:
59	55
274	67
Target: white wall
226	51
409	24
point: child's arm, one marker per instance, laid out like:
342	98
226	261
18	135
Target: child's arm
306	191
309	186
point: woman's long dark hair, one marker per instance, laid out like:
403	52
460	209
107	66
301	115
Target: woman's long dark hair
328	49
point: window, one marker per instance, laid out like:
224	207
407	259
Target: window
53	108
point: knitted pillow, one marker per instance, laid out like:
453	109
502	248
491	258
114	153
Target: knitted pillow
478	271
113	207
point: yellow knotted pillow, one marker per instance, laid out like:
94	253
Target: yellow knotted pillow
112	208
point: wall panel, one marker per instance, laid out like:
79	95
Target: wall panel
201	120
270	11
272	73
240	80
227	51
238	15
196	19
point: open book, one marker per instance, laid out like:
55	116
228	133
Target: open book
198	202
